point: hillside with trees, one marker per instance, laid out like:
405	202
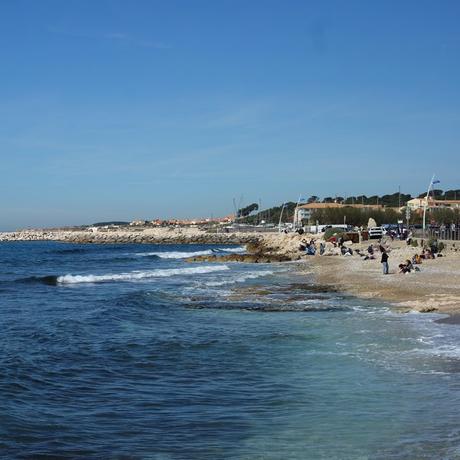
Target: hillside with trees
351	215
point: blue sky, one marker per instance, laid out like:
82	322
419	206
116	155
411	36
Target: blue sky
143	109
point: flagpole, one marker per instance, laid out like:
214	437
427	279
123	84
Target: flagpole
426	204
281	216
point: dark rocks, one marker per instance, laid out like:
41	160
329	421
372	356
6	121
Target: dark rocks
246	258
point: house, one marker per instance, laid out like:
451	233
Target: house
305	211
417	204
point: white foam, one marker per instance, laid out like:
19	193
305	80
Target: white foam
137	275
237	250
240	279
185	254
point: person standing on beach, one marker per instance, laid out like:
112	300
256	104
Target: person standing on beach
385	262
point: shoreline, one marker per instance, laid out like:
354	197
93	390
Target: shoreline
435	288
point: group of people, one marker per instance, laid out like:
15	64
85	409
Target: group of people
309	247
428	253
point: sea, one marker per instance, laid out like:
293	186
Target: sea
132	352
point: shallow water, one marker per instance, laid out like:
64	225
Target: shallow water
127	351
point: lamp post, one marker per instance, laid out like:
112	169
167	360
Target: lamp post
426	204
407	217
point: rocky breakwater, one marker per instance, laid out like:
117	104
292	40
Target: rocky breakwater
152	236
29	235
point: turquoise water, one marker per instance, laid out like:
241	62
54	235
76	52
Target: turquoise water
128	351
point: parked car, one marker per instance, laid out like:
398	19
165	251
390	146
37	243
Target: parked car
376	232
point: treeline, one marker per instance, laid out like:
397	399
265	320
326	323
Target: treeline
272	215
393	200
437	216
360	217
354	216
438	194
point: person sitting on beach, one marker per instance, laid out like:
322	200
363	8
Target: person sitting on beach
416	260
322	248
427	254
407	267
370	249
303	245
311	250
344	250
402	268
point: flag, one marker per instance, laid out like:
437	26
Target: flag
436	182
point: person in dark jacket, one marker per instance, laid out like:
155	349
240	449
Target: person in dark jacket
384	261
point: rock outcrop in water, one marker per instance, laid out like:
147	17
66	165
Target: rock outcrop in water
247	258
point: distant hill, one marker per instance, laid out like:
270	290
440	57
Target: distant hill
114	222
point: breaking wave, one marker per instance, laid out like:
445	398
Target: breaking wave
185	254
135	276
53	280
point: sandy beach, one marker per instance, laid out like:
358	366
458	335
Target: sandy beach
436	287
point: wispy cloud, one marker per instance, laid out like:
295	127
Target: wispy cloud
115	36
249	115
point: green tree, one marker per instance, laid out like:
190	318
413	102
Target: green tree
243	212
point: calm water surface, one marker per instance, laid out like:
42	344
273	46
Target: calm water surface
127	351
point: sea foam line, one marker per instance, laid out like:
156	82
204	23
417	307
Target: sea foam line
134	276
240	279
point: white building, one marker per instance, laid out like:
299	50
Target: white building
420	203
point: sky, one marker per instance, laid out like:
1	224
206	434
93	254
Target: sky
133	109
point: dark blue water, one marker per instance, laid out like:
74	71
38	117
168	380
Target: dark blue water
128	351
